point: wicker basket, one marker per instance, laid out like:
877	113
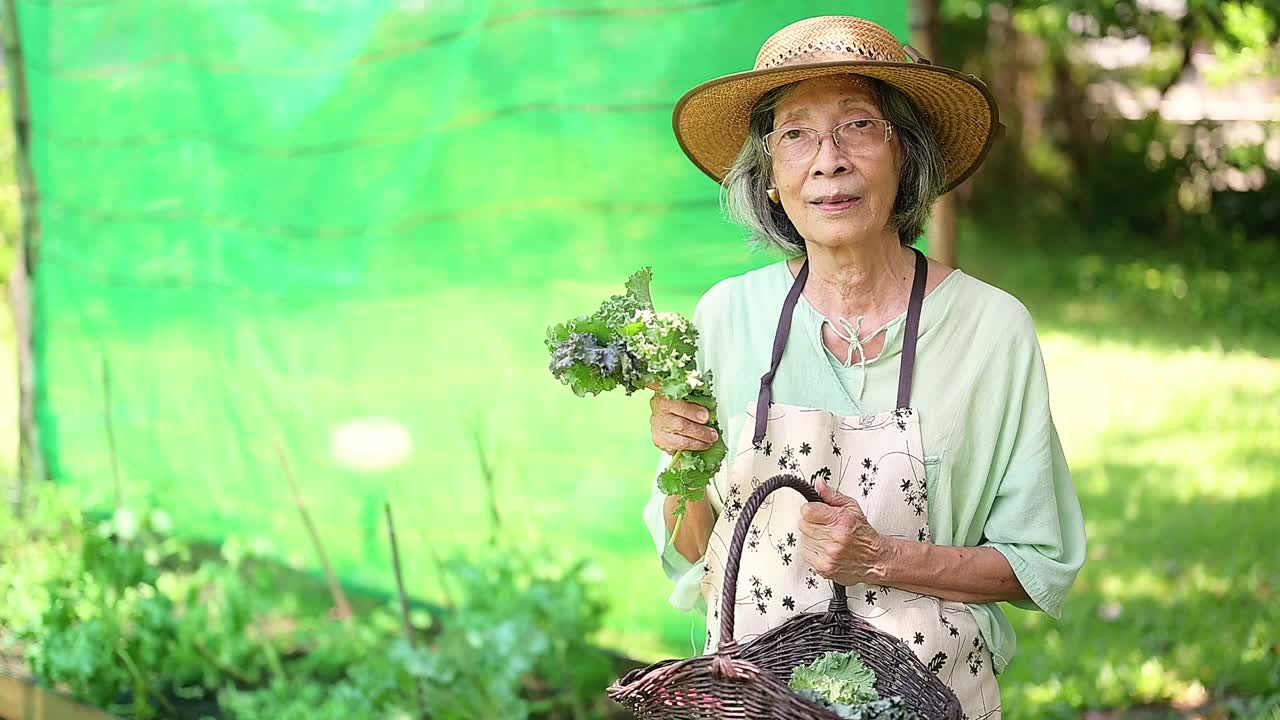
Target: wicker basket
750	681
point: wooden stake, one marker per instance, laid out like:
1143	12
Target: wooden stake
404	605
31	465
342	606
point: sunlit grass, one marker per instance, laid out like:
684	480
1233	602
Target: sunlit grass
1171	430
1175	458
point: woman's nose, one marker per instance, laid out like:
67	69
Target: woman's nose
830	159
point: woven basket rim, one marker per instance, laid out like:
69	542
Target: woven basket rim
752	673
654	676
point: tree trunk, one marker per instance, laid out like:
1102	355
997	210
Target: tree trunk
1031	55
926	37
1070	102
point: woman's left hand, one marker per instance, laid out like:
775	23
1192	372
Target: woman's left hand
838	542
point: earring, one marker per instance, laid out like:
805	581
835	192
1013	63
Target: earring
773	194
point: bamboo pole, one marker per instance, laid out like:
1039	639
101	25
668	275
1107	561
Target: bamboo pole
31	460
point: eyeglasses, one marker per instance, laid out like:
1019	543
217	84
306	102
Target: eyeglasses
801	144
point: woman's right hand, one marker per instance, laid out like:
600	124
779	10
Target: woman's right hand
679	425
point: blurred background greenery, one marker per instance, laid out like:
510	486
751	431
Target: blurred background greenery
277	229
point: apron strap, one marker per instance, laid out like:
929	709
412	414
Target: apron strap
779	344
914	305
908	368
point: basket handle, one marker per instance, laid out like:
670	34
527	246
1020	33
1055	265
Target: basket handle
839	600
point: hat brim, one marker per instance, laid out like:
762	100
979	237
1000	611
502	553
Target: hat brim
712	120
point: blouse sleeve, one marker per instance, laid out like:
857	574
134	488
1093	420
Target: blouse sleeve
1035	519
687	576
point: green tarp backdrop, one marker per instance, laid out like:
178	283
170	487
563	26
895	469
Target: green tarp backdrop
341	228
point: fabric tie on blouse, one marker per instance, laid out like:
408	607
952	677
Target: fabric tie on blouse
853	335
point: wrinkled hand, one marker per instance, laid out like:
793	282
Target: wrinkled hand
838	542
678	425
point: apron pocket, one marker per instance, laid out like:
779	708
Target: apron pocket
933	471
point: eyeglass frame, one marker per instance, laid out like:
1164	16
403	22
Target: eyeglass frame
822	134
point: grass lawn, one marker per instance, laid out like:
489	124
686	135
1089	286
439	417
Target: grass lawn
1173	442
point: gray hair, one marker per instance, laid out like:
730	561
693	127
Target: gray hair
920	180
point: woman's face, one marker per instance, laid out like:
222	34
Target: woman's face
842	194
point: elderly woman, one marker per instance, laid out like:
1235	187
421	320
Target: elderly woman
911	394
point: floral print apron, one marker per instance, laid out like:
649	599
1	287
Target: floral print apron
877	460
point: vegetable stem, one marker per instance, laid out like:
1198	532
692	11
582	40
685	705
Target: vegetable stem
221	667
141	689
273	658
675	530
404	595
679	515
342	606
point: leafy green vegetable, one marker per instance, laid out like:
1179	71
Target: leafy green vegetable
626	343
891	708
574	344
361	694
107	630
550	603
840	678
121	616
127	623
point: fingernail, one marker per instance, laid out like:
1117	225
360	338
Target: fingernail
704	415
714	436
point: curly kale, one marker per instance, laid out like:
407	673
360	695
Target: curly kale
839	677
891	708
843	684
626	343
583	363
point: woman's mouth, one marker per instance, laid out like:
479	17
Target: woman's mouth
836	203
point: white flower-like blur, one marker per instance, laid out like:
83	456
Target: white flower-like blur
372	444
126	523
161	522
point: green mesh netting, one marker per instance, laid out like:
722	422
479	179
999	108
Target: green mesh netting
343	227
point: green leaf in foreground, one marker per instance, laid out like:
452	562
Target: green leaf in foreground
638	287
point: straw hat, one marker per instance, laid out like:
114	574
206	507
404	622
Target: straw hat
712	120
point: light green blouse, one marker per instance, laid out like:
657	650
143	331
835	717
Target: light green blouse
995	470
